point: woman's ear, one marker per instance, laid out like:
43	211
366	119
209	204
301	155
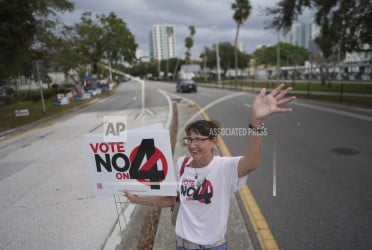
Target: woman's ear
214	144
214	140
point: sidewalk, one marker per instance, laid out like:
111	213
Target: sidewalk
237	234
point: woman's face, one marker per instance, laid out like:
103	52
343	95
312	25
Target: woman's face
202	150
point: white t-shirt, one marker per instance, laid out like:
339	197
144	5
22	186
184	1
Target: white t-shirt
202	216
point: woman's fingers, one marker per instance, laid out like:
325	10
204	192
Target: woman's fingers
285	101
262	93
283	93
277	90
131	197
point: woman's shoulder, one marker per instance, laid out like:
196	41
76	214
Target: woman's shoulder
182	159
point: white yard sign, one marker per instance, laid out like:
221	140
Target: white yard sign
139	161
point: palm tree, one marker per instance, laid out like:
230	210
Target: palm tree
242	10
170	32
189	42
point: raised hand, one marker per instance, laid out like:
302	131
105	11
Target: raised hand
267	104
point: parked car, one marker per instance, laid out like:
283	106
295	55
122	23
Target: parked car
185	85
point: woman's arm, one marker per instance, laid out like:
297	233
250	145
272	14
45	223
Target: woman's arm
157	201
263	106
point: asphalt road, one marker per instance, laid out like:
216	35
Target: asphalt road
314	184
130	97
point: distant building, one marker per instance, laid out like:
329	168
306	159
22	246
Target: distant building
162	42
191	68
188	71
295	36
303	35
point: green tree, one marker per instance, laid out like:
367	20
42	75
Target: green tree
345	25
172	64
25	32
66	58
242	10
119	42
170	32
290	55
106	37
142	69
227	57
189	43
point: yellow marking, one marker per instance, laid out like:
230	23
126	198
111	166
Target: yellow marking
259	223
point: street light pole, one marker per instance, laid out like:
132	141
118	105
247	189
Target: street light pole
218	59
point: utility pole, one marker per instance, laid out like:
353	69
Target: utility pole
40	84
218	60
159	69
110	71
278	60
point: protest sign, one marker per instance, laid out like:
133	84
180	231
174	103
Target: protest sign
139	161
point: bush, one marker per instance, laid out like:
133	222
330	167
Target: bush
9	91
32	95
5	100
200	79
55	86
48	93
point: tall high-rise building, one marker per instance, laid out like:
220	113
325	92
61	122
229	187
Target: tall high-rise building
302	34
296	35
162	42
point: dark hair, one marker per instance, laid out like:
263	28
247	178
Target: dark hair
203	127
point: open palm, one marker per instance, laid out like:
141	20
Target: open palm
267	104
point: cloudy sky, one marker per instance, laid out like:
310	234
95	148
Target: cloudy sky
212	20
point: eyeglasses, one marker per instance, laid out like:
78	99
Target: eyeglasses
196	140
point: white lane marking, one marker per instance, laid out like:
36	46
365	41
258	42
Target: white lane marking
170	108
274	169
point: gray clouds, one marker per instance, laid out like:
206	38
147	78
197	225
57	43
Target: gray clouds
210	18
